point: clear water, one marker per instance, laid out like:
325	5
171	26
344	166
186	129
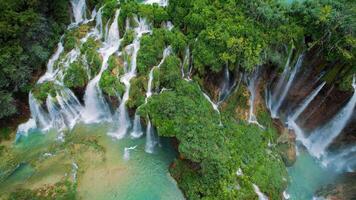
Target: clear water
307	176
101	175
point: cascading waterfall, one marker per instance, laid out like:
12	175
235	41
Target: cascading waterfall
151	141
185	63
96	107
38	118
50	73
123	118
343	160
283	87
79	10
306	103
260	195
70	106
137	127
226	85
252	82
57	120
322	137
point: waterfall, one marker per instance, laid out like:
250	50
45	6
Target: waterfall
252	82
306	103
70	107
260	195
322	137
214	105
186	63
163	3
137	127
57	120
123	118
226	85
151	141
343	160
99	23
50	73
281	92
96	107
38	114
79	10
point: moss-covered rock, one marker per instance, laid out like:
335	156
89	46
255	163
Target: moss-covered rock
41	91
110	82
75	76
93	58
137	92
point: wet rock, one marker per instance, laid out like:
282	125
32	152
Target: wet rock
342	189
286	146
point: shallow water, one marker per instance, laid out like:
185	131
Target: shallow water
103	173
306	176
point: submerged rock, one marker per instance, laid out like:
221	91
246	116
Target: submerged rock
343	189
286	146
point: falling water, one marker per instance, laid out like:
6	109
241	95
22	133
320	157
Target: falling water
50	73
280	83
96	107
99	23
70	107
79	10
284	90
185	64
226	85
322	137
260	195
215	106
252	88
306	102
151	141
137	127
57	120
123	118
343	160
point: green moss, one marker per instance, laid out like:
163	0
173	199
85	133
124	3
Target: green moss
41	91
75	76
128	38
110	82
94	60
137	92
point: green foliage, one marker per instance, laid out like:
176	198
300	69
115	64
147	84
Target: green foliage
5	134
64	190
94	60
169	72
151	50
75	76
128	38
6	104
110	82
137	92
213	153
41	91
29	31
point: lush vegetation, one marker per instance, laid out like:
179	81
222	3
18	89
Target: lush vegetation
29	30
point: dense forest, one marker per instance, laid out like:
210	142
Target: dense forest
180	62
29	32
